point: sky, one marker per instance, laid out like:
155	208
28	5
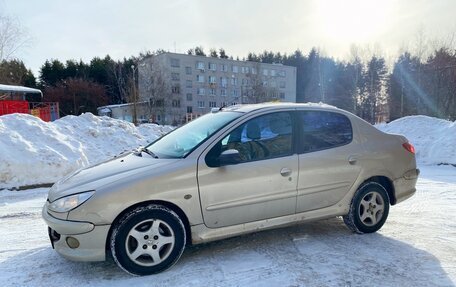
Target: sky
64	29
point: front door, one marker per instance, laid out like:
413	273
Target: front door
262	185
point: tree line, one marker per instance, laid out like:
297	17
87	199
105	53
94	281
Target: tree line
365	86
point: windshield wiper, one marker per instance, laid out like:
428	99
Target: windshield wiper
143	149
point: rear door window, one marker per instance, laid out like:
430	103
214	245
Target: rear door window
323	130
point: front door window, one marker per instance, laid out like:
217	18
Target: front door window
264	137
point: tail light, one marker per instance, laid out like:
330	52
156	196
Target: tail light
409	147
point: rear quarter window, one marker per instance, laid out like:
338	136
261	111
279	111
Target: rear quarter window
321	130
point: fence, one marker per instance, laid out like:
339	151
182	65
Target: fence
46	111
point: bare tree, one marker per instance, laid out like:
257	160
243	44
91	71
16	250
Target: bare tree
256	90
156	87
13	37
122	86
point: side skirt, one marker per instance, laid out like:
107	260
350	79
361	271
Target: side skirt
201	233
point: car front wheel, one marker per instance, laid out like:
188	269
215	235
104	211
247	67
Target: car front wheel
369	209
148	240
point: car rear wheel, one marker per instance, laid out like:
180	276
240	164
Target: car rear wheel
148	240
369	209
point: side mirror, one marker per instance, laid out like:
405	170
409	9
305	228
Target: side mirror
229	157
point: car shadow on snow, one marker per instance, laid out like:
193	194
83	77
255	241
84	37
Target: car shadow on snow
320	253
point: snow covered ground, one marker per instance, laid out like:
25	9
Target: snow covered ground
416	247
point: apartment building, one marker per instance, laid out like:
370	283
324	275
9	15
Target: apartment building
180	87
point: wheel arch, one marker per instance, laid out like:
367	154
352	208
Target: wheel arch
167	204
386	183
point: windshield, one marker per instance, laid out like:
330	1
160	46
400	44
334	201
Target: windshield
183	140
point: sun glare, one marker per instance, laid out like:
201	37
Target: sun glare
352	20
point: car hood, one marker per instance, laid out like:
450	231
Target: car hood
96	176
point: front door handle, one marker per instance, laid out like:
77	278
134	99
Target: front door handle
352	159
285	171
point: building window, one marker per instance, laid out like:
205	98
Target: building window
175	76
189	97
282	74
188	83
254	70
212	79
175	89
282	95
175	63
273	84
282	84
234	81
176	103
212	92
200	65
188	70
212	104
200	78
200	104
157	103
201	91
223	82
212	66
265	72
265	83
234	93
273	73
245	70
235	69
222	92
224	68
189	110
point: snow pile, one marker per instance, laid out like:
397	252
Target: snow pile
34	152
434	139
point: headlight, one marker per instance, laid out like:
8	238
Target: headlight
68	203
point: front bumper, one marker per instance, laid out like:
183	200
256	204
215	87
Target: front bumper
405	187
91	238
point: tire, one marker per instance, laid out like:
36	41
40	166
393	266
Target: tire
369	209
148	240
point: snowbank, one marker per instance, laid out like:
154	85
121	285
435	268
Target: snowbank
35	152
434	139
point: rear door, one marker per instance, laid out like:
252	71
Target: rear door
328	155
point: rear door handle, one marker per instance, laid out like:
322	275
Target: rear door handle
352	159
285	171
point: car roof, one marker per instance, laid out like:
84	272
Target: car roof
246	108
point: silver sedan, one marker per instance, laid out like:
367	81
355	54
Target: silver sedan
236	170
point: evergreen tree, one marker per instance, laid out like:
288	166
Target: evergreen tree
222	53
199	51
213	53
14	72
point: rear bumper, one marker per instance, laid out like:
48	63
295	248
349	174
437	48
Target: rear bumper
405	186
91	238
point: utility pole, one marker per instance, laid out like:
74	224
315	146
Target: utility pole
135	119
402	92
